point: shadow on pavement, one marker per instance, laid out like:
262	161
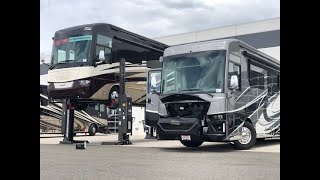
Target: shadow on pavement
225	147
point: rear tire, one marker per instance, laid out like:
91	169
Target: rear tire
248	137
92	129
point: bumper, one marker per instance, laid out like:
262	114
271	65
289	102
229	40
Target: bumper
179	126
68	93
173	128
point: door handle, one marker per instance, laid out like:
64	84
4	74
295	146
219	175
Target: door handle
149	100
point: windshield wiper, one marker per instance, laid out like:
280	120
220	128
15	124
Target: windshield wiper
197	90
61	62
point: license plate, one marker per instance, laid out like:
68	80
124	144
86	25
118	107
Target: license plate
185	138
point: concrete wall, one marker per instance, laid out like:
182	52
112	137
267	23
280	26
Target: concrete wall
255	33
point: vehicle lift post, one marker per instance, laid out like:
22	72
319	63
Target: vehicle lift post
67	127
125	110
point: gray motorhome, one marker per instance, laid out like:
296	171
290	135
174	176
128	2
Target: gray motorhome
218	90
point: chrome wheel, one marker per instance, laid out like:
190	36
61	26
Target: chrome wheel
245	136
114	95
248	137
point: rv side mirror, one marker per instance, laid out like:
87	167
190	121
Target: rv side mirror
234	82
101	55
161	59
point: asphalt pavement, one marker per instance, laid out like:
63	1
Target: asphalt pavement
151	159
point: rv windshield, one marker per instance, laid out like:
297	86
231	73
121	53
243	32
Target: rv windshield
72	49
194	72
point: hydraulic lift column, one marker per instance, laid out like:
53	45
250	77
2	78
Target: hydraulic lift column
67	127
125	109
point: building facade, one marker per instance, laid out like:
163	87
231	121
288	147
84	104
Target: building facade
263	35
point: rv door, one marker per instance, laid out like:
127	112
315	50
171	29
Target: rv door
152	97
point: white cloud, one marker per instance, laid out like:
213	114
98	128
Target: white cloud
151	18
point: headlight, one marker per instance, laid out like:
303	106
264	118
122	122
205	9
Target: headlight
84	82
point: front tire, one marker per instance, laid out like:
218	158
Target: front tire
113	97
248	137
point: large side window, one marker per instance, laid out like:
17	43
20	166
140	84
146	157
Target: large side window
104	43
235	69
272	81
131	53
96	107
102	108
258	77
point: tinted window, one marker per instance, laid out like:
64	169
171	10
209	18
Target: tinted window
257	77
104	43
272	81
